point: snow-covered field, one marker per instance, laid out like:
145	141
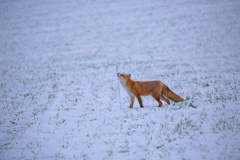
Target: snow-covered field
59	98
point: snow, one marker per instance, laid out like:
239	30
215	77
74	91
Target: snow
60	101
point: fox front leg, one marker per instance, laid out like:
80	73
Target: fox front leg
139	100
132	101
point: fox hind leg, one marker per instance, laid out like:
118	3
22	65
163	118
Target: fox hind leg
164	99
157	98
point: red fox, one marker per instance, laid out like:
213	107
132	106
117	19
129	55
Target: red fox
156	89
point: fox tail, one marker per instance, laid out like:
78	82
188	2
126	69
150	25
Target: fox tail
171	95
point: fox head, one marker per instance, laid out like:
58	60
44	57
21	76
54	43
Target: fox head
124	77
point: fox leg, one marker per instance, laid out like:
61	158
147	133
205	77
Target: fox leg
132	101
139	100
157	98
164	99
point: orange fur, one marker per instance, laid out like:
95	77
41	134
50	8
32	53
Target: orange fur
156	89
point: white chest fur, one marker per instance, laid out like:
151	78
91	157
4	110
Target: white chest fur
123	83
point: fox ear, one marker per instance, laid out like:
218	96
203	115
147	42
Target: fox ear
129	75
